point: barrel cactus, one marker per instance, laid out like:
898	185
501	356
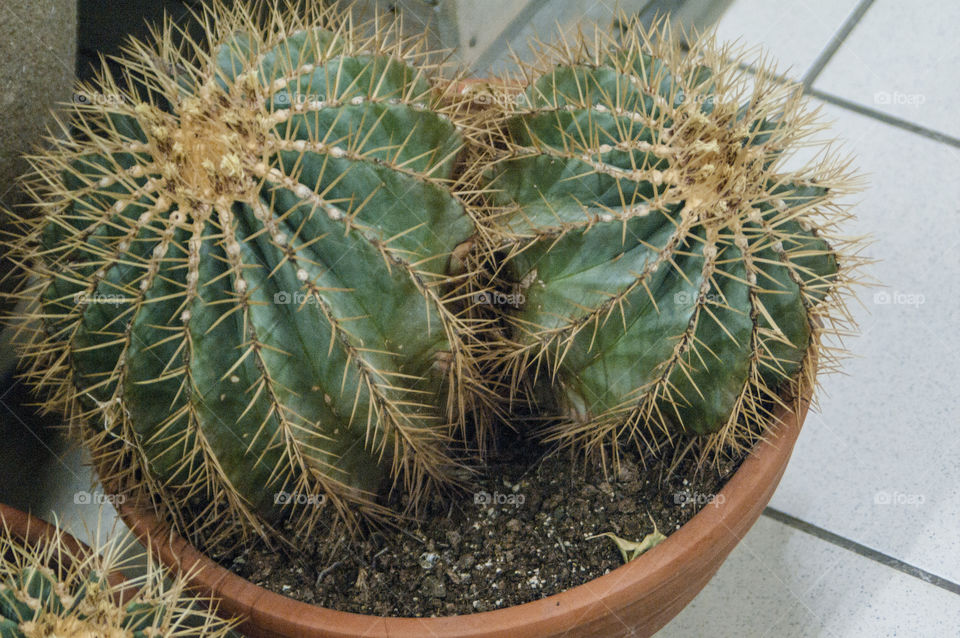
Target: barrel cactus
54	587
246	273
662	272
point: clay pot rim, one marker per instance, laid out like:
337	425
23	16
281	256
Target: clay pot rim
33	530
753	482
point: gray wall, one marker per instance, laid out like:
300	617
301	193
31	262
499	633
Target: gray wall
38	45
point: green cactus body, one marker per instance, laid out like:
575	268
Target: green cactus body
53	587
247	292
671	278
35	602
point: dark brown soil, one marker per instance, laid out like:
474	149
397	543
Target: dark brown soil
519	537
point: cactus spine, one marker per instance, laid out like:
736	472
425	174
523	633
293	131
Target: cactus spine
674	276
51	587
245	272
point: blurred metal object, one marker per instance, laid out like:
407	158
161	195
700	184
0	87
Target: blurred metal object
691	15
483	33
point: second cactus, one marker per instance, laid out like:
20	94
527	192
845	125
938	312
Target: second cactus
671	276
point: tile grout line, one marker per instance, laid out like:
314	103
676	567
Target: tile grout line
835	43
862	550
880	116
885	118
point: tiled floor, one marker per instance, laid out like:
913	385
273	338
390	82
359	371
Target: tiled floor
863	536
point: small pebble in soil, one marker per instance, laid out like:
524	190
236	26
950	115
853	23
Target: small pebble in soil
428	560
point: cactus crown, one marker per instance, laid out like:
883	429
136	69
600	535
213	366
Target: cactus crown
675	276
246	274
52	587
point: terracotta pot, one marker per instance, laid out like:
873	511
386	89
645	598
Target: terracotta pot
32	530
635	599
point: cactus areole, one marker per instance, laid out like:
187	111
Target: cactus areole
243	263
